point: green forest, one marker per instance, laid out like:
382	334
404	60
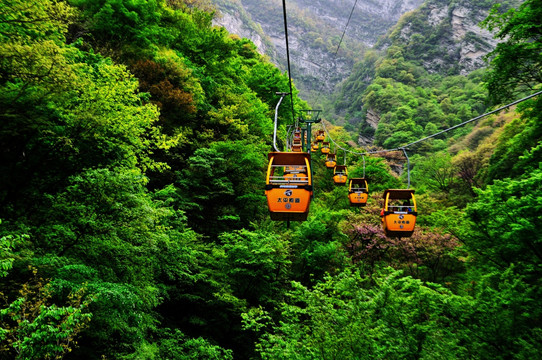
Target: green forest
134	224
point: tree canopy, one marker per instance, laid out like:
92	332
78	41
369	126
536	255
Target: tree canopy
134	223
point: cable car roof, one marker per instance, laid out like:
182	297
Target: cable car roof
289	158
399	193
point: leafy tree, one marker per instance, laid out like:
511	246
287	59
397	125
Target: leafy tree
366	242
105	230
256	265
435	172
516	66
504	315
470	168
167	87
113	22
101	124
430	256
503	224
178	346
34	69
317	246
7	244
31	327
516	62
222	186
351	316
521	136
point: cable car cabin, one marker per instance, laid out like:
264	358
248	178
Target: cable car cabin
325	147
330	161
358	191
399	212
297	145
314	147
340	174
320	135
297	148
288	185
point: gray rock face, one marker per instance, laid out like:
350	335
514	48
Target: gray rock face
465	21
372	118
458	43
314	30
233	21
236	20
370	19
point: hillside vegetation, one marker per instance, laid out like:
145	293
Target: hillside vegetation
134	225
426	49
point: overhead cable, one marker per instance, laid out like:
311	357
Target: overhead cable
288	58
401	148
347	23
474	119
338	46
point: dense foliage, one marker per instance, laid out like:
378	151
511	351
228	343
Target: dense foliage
134	137
422	64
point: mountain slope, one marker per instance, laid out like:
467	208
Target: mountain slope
314	29
444	36
441	38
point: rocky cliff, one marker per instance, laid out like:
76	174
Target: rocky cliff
314	28
233	16
444	36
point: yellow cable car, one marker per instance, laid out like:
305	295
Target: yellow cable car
297	148
320	135
399	212
358	191
325	147
340	174
297	145
330	161
314	147
288	185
